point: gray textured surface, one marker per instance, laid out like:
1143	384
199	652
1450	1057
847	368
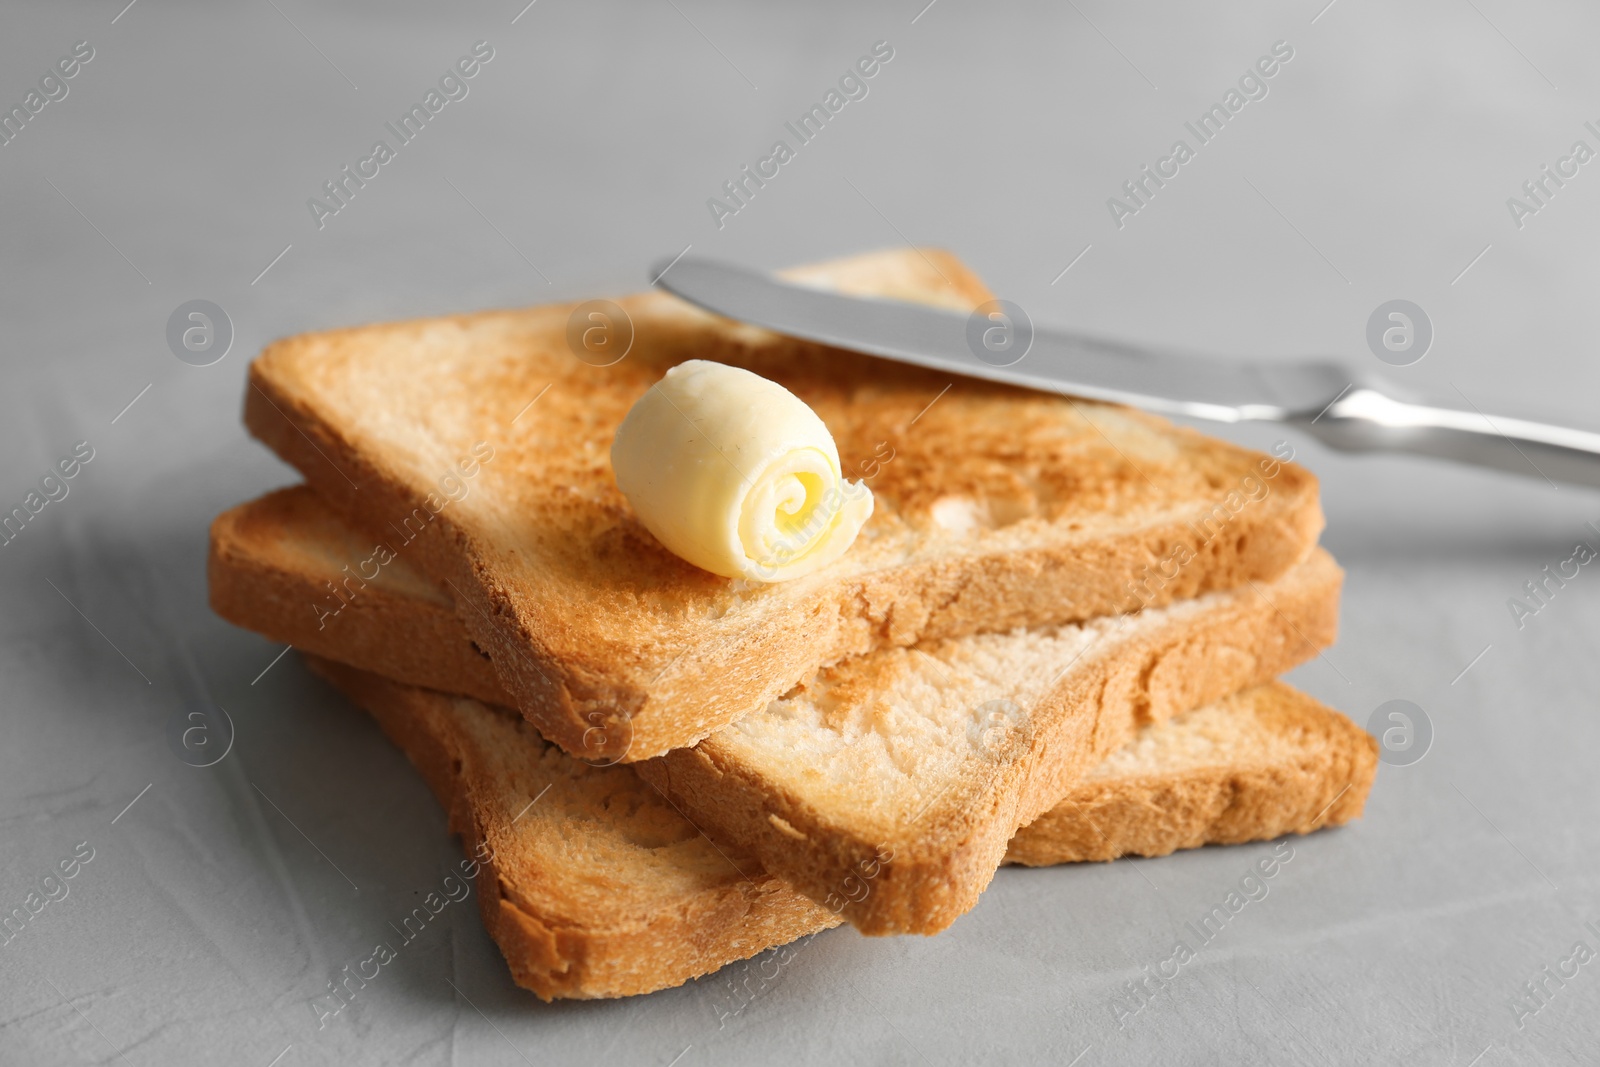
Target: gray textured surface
1381	161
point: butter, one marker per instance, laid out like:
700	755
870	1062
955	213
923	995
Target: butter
737	475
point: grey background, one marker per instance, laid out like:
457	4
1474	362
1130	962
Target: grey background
1380	162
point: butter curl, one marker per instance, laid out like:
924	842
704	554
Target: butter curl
737	475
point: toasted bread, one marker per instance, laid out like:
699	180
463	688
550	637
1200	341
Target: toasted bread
593	886
477	447
933	755
282	565
596	887
1265	762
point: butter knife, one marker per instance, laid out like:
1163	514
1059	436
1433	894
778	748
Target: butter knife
1344	408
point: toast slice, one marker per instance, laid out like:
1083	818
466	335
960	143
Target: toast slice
887	786
594	886
477	446
591	884
1264	762
933	756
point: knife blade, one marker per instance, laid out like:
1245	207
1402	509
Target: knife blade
998	342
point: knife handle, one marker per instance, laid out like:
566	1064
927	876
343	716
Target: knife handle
1365	420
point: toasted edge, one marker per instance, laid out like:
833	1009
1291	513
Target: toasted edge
1324	782
609	957
257	569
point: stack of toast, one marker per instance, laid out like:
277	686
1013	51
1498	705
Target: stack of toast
1056	640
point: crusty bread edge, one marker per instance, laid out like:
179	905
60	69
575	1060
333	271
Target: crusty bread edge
1154	815
402	637
610	957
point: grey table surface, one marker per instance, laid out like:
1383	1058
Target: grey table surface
178	166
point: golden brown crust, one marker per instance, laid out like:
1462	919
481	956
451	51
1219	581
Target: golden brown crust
944	857
1320	779
554	946
998	509
270	568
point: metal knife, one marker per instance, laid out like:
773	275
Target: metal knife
1340	406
